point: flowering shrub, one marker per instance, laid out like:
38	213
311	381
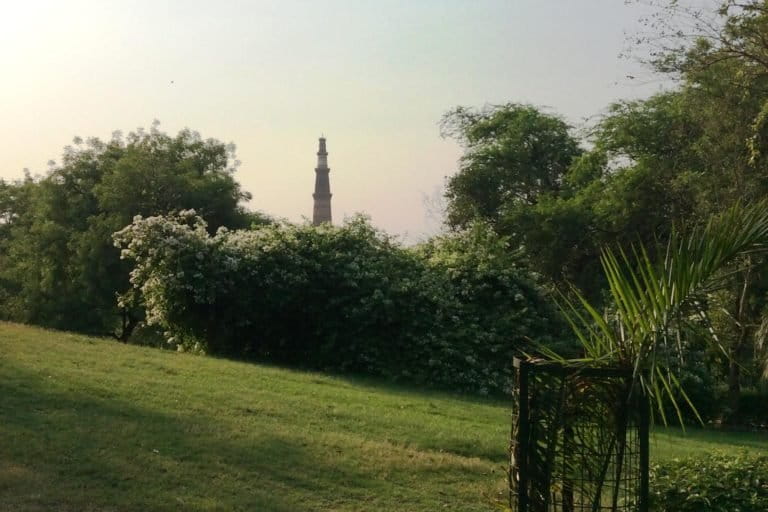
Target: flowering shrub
344	298
496	308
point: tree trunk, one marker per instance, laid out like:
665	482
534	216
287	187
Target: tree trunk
744	323
734	383
129	323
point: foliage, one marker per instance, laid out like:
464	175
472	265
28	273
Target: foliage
612	194
514	155
452	313
655	303
274	292
719	56
657	309
496	307
692	144
652	167
58	266
718	482
701	386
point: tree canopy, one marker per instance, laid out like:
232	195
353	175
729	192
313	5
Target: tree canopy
644	169
58	266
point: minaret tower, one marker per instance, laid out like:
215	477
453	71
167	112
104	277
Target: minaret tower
322	195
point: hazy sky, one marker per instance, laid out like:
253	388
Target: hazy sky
374	76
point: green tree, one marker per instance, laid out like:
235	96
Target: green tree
514	154
659	304
527	176
60	266
721	61
514	176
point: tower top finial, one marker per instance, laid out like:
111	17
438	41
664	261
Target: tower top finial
322	150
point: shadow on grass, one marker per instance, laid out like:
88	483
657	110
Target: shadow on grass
377	383
74	449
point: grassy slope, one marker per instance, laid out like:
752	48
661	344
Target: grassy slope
89	424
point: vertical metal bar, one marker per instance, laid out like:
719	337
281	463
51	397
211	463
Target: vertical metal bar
514	439
567	456
523	444
644	432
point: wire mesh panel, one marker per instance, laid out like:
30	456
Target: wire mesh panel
579	440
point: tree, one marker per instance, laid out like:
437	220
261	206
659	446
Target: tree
658	302
720	58
529	178
651	166
60	266
514	177
514	154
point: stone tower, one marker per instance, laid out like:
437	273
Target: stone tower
322	195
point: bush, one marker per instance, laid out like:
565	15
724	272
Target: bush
714	483
343	298
496	308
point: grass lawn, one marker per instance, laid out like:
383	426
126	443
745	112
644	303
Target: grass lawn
88	424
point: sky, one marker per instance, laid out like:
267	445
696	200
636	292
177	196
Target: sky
374	77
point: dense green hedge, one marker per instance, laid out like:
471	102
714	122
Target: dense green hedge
450	313
713	483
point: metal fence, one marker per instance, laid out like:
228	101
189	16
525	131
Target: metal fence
579	440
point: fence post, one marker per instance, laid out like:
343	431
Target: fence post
523	433
645	421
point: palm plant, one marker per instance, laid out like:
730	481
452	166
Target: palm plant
580	424
658	306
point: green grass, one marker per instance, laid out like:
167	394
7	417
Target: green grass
88	424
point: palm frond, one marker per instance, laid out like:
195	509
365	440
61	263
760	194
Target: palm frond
653	299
